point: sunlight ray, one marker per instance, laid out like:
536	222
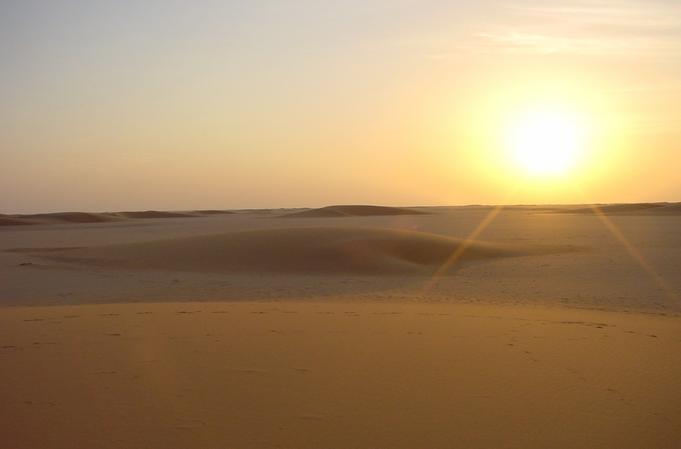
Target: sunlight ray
461	249
636	254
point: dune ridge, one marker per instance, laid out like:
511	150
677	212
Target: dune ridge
297	250
100	217
72	217
12	221
353	211
153	214
56	218
213	212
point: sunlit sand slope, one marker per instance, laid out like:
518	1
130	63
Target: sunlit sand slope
299	250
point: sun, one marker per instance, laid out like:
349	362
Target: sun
545	142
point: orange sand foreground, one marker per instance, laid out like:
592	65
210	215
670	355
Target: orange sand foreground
336	329
341	375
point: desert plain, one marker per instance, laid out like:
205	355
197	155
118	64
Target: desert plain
343	327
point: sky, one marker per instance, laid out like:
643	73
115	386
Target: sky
126	105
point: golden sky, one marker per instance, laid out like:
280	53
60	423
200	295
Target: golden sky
110	105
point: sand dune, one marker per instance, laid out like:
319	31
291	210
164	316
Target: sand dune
627	209
335	337
57	217
101	217
72	217
352	211
298	250
153	214
11	221
672	208
214	212
326	212
619	208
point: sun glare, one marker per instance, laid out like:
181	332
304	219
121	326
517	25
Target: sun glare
545	142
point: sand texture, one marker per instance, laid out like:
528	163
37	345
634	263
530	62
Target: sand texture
467	327
618	262
337	375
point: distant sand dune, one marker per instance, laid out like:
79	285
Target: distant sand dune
214	212
627	209
353	211
153	214
102	217
56	217
672	208
339	211
71	217
12	221
297	250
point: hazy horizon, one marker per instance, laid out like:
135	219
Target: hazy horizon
110	106
395	205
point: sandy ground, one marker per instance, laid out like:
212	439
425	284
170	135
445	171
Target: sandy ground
552	330
337	375
602	274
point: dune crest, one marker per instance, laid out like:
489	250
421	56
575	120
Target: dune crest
213	212
153	214
353	211
72	217
297	250
11	221
56	218
100	217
